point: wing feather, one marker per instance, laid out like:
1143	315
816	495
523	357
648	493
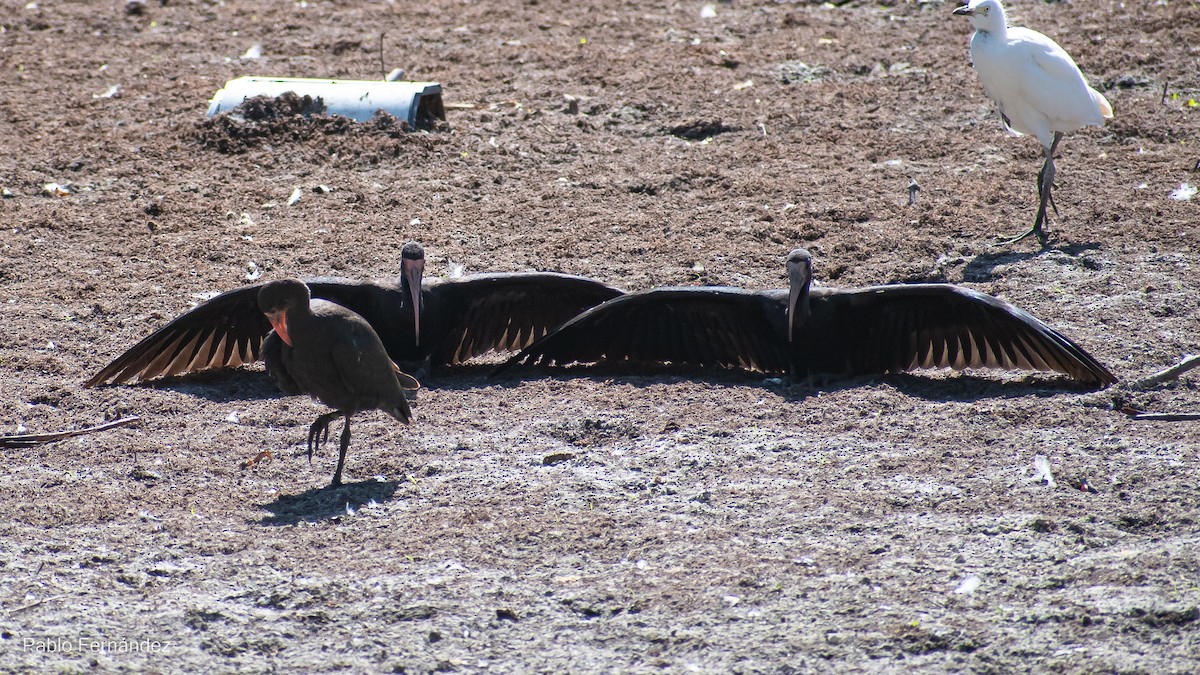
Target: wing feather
698	326
911	326
506	312
225	331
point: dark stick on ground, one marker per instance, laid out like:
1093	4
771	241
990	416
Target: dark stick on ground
28	440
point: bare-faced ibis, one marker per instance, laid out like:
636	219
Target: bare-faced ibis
422	322
333	355
803	331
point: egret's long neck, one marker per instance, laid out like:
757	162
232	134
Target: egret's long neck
994	26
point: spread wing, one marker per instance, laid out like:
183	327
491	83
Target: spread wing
907	327
226	331
506	312
701	326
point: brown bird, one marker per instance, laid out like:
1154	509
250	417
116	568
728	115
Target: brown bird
803	331
333	355
421	322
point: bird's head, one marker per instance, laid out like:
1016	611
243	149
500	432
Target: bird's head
799	268
412	266
278	298
985	15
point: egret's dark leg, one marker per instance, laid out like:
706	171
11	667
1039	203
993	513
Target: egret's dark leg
337	475
1041	182
1042	176
315	431
1045	190
1045	182
1046	198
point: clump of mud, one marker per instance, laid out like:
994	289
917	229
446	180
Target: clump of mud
290	118
288	104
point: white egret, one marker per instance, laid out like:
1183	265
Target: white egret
1037	87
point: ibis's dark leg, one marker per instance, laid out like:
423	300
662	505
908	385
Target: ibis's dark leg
337	474
315	432
1045	184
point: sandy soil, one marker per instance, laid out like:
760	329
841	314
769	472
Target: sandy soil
591	521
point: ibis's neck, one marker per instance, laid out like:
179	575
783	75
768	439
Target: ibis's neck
799	308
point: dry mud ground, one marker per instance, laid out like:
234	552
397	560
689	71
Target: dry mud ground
703	521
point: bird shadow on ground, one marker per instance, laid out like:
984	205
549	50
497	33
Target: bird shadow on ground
640	375
982	267
327	503
226	385
223	385
968	387
961	387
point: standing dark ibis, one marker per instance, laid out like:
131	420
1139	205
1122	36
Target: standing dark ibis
333	355
803	331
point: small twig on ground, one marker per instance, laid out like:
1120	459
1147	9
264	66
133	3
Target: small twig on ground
1188	363
1163	100
31	605
28	440
382	68
913	186
1166	417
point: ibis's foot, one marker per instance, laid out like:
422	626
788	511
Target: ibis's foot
810	380
318	433
410	380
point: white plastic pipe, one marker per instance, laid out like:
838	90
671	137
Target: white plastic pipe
417	103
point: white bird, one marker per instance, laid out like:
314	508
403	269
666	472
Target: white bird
1037	87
